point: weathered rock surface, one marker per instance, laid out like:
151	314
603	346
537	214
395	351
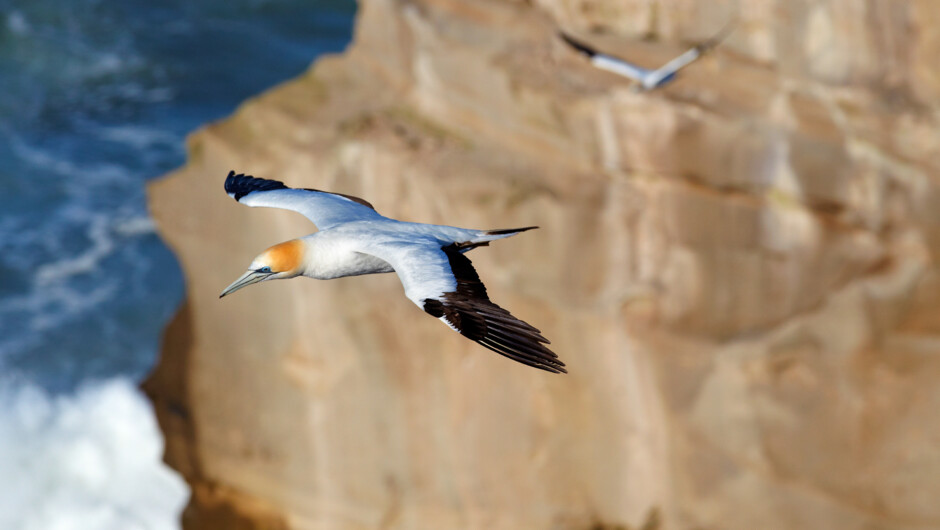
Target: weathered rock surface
741	272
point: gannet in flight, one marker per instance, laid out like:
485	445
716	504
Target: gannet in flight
354	239
647	79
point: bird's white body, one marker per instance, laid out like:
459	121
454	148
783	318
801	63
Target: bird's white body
354	239
353	249
330	256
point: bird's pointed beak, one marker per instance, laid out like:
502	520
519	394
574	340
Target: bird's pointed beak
244	280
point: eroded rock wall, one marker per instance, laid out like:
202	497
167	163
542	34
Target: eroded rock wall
740	271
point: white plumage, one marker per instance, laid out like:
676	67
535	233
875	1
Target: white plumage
354	239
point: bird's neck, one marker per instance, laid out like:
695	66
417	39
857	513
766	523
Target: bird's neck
319	260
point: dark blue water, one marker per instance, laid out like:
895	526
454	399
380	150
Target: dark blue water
95	99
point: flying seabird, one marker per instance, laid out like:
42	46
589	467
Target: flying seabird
647	79
354	239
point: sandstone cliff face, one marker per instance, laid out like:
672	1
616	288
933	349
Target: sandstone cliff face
741	272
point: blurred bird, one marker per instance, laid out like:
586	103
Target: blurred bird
354	239
648	79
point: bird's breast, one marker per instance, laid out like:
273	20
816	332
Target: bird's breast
329	263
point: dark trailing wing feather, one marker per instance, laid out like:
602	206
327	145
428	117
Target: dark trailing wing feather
470	311
353	198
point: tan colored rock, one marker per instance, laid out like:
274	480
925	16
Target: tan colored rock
740	271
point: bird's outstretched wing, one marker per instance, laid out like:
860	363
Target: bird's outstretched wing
442	281
607	62
669	70
323	208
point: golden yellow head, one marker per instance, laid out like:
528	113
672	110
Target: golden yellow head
283	257
283	260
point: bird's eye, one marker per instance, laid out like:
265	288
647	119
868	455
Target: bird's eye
264	269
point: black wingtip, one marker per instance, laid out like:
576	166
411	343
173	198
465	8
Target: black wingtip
239	185
555	369
719	37
577	45
509	231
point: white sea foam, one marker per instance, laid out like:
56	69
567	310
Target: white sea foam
138	136
101	231
88	461
54	298
39	158
102	244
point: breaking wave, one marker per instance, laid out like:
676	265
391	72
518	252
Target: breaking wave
96	98
91	460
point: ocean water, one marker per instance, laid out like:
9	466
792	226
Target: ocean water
96	97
